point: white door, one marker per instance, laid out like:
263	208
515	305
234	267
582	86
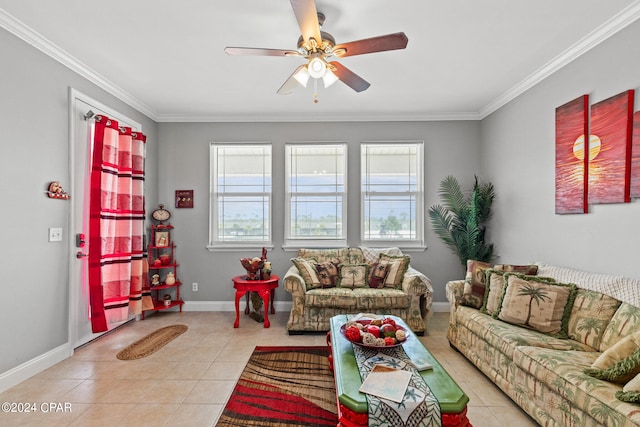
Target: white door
80	163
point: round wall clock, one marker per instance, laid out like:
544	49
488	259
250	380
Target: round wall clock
161	214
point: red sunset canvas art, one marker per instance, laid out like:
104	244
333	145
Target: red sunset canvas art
610	163
571	163
635	156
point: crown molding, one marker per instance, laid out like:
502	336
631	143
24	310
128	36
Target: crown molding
621	20
37	40
618	22
259	118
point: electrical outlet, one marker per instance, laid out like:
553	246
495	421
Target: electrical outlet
55	234
194	287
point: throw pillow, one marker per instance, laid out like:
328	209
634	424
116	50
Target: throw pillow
377	273
476	279
537	303
353	275
631	391
398	265
529	270
327	274
495	286
475	283
620	372
618	352
631	396
307	269
633	385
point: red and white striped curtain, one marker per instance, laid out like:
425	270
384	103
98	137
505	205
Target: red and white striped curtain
118	269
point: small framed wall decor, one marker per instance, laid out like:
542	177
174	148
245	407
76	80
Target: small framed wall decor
162	238
184	198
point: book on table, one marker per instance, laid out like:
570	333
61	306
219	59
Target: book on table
386	383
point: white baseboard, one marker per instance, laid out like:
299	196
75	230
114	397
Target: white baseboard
440	307
34	366
228	306
436	307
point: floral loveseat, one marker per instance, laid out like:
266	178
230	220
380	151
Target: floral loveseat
326	282
577	370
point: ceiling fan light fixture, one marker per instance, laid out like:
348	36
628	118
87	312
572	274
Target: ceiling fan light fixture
317	67
329	78
302	76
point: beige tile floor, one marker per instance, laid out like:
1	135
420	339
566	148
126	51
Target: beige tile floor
189	380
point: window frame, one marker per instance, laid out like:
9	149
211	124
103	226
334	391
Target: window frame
215	244
293	243
419	241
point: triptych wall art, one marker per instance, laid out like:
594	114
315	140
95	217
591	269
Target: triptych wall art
603	168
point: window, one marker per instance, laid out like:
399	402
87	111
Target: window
392	193
316	205
240	195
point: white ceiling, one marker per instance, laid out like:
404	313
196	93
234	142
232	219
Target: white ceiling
465	58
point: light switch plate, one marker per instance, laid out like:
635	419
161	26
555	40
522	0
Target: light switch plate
55	234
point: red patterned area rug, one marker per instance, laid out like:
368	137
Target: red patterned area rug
283	387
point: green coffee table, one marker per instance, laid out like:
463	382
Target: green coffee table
352	404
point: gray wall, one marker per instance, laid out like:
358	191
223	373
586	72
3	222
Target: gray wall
518	156
34	150
450	148
513	148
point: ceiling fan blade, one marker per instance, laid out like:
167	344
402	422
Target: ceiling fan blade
349	78
374	44
307	16
290	84
242	51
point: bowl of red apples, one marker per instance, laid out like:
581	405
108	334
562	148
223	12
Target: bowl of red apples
375	333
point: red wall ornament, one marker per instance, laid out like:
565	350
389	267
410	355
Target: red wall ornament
184	198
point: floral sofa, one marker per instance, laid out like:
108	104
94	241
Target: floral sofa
579	369
326	282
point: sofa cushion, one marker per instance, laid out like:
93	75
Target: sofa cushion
537	303
625	321
327	274
398	265
353	275
368	299
338	255
590	315
507	337
355	256
307	269
547	374
331	297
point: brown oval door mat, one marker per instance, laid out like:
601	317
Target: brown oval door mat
151	343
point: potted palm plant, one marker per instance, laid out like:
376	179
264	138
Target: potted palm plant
461	219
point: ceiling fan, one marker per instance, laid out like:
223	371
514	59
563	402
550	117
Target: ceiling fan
318	47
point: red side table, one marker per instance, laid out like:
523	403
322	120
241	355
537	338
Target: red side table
264	288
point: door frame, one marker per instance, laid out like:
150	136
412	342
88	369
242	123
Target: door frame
75	285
